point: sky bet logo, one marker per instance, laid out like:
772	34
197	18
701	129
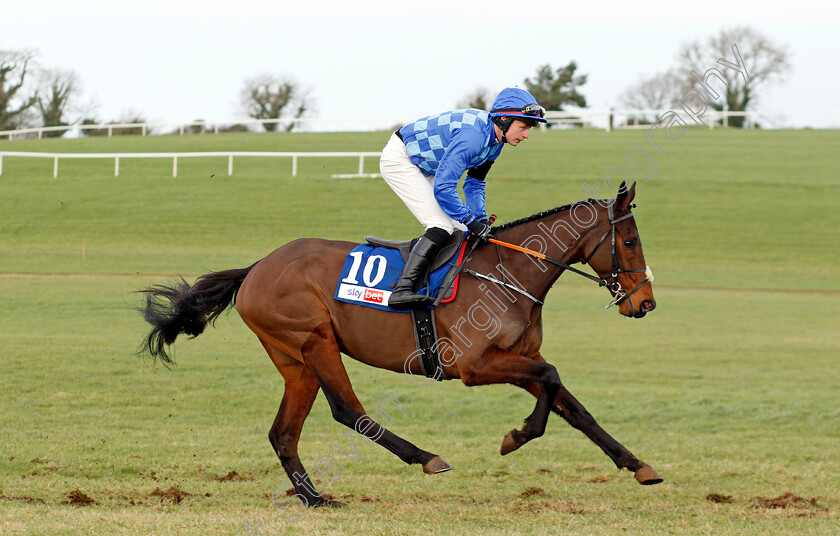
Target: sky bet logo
374	296
363	294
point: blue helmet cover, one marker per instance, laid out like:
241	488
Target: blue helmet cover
513	98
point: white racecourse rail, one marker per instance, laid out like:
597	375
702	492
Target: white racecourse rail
175	156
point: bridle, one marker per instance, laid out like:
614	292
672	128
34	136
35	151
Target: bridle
619	294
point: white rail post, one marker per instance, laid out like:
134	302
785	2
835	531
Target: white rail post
55	168
294	166
361	164
230	165
1	164
110	131
116	166
174	166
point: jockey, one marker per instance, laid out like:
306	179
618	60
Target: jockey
423	162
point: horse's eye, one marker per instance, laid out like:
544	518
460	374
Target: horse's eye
630	244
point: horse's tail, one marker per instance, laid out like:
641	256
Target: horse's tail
181	308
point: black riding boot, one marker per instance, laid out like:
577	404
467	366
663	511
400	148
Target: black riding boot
405	292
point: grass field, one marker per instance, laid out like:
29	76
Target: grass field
729	388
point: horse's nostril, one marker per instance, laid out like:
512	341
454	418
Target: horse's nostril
648	306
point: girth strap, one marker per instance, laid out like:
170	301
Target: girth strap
425	336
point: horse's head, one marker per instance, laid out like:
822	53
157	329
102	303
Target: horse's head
618	259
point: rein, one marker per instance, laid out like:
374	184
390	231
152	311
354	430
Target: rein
544	257
619	294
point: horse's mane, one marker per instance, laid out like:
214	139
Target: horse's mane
541	215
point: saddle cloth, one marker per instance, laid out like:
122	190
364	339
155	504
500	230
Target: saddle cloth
371	271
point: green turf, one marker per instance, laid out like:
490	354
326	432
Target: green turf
733	209
729	387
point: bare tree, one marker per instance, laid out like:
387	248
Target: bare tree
303	105
57	91
733	64
479	98
659	92
266	96
14	66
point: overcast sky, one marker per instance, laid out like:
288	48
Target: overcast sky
180	60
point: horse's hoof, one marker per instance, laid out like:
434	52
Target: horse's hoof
647	475
436	465
329	503
509	443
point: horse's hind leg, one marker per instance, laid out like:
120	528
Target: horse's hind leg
321	354
300	391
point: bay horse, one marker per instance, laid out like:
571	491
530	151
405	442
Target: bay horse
494	331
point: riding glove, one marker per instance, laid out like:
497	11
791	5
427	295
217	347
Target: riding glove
481	228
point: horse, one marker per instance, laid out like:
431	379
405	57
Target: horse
493	328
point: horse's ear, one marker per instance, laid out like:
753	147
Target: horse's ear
625	196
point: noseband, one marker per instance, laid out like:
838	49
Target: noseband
619	294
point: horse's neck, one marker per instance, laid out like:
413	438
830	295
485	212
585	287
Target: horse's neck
559	235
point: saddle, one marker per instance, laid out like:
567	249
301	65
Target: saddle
423	316
404	247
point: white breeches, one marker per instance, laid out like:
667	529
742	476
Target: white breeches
415	188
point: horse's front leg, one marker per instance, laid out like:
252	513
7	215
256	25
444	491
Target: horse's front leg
568	407
501	366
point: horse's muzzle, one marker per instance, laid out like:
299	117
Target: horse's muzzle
645	307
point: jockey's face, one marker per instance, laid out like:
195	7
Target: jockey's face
517	133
